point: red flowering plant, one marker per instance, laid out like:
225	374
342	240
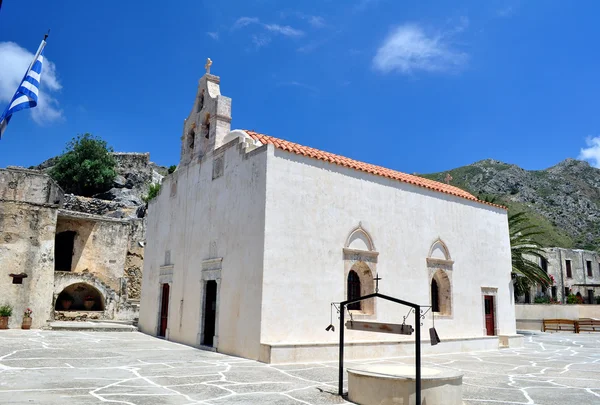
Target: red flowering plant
27	313
552	278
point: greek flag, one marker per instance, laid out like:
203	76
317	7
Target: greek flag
27	93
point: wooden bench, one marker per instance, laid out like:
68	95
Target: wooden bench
559	325
588	325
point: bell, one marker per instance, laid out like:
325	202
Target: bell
433	336
330	328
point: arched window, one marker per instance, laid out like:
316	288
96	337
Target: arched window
353	289
435	296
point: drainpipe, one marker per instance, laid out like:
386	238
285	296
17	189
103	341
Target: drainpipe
562	278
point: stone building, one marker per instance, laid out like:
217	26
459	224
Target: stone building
575	271
253	237
57	251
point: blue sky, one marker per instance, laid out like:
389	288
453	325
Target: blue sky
414	86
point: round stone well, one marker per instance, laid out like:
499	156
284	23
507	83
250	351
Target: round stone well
391	384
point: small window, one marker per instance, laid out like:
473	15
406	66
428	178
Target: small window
353	290
544	264
588	264
569	272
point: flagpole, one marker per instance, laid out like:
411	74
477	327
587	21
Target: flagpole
40	49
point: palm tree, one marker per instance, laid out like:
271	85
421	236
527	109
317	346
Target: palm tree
523	247
526	272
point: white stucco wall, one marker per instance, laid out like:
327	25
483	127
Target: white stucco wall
197	218
311	207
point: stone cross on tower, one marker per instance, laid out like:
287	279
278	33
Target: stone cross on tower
209	121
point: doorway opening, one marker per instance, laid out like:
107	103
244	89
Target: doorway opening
489	315
210	312
64	243
164	311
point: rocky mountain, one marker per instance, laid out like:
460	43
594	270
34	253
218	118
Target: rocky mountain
126	198
563	200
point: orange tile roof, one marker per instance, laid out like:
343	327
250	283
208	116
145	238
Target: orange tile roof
364	167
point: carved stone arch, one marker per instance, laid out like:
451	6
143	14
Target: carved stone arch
359	239
441	293
437	247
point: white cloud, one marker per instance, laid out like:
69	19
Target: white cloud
284	30
316	21
409	49
244	21
260	40
213	35
592	152
264	38
300	85
14	61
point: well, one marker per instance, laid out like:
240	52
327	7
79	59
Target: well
385	384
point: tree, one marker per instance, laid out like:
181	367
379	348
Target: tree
523	248
172	168
87	166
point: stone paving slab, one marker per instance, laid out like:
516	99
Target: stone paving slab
79	367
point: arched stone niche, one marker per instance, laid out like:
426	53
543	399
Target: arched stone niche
439	266
360	256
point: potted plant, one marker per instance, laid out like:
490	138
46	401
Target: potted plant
5	313
66	301
89	302
26	319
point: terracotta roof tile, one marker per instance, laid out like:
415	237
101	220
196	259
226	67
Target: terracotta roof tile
365	167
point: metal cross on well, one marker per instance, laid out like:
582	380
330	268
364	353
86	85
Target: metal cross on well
377	278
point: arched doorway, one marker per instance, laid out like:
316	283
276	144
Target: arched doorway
79	297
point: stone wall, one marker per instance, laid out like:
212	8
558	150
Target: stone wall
100	246
19	184
530	317
27	246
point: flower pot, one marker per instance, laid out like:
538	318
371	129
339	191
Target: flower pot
4	322
88	304
26	323
66	304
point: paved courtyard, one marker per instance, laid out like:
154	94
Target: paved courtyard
60	367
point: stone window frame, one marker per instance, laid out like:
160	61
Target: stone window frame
218	166
441	271
364	263
211	271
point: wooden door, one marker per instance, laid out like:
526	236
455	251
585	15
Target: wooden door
489	314
164	310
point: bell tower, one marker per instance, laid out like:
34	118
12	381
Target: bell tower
209	121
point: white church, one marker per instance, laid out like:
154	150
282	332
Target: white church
253	237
